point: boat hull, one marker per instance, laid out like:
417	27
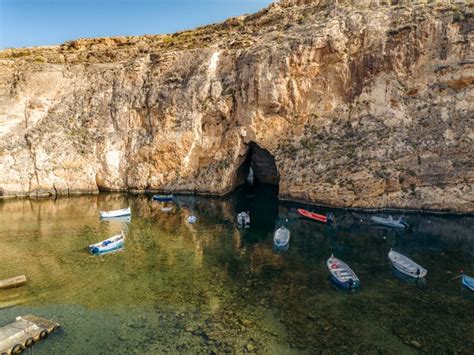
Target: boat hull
389	222
110	247
116	214
113	243
346	284
341	274
281	238
243	220
468	282
406	266
314	216
163	198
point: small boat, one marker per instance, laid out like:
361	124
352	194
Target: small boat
192	219
317	217
163	198
468	282
166	209
243	220
281	238
113	243
342	274
405	265
117	213
390	222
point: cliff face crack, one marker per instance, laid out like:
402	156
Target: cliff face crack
33	160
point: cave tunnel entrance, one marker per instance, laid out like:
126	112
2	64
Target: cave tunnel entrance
259	198
258	168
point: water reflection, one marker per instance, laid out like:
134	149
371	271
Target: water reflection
408	279
211	287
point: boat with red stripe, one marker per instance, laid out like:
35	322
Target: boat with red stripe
317	217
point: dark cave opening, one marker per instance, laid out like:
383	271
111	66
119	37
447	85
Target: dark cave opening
259	167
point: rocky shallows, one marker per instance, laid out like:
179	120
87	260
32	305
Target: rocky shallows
363	106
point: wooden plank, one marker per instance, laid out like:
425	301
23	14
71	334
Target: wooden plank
24	332
15	281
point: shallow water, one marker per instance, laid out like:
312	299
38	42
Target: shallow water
209	287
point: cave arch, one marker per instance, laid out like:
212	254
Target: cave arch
262	163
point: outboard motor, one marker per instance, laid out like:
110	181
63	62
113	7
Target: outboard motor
351	283
403	222
330	217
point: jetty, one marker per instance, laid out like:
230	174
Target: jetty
15	281
23	332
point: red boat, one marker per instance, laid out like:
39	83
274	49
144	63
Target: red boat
315	216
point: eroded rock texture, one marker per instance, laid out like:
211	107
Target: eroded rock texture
367	105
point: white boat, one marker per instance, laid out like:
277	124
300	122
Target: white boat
281	238
243	220
166	209
342	274
192	219
405	265
117	213
390	222
110	244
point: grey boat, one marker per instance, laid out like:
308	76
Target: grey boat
390	222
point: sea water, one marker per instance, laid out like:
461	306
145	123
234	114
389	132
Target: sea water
210	287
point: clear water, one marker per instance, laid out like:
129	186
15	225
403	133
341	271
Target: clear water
209	287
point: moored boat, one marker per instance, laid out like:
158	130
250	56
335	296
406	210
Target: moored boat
192	219
342	274
117	213
315	216
243	220
163	198
468	282
281	238
405	265
112	243
390	222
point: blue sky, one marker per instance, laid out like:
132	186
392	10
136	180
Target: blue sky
25	23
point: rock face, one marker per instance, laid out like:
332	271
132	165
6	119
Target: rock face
368	105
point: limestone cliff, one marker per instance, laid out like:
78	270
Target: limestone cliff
368	105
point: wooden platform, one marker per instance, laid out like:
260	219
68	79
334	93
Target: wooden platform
15	281
23	333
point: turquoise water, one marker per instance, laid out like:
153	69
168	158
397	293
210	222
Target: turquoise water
212	288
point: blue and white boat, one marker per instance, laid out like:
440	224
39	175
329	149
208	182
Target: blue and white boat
113	243
341	274
468	282
115	214
163	198
192	219
390	222
281	238
406	266
243	220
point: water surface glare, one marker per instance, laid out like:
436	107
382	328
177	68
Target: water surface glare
210	287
